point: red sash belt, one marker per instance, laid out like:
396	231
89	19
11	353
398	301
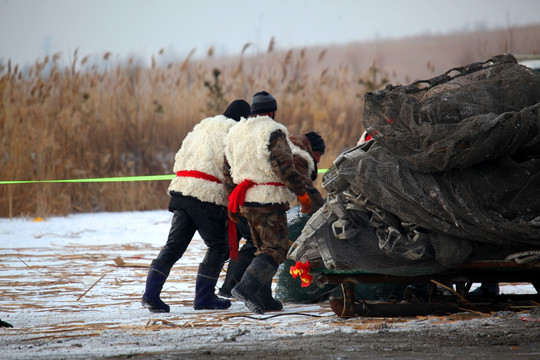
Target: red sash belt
198	175
237	199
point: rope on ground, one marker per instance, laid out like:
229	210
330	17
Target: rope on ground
272	316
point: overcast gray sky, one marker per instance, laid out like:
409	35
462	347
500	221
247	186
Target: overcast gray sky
31	29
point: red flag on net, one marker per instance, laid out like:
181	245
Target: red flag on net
302	269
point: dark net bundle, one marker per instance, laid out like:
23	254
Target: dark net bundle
289	289
343	234
467	115
452	175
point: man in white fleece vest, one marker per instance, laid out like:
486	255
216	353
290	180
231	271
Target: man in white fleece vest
260	176
199	203
307	150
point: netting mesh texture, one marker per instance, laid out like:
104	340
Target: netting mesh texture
452	175
289	289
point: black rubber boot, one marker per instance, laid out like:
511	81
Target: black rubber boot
265	294
204	292
154	283
235	271
259	273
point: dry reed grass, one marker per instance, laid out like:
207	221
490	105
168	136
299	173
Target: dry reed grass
106	120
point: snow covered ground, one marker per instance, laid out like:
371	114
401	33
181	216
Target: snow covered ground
71	288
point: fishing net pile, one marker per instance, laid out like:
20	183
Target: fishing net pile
451	175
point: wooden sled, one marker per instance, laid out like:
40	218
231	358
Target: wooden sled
457	281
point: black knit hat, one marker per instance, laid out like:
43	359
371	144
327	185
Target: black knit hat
317	142
262	102
238	109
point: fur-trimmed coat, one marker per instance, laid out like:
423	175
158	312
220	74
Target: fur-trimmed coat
259	149
203	150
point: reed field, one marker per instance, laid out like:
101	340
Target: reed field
95	118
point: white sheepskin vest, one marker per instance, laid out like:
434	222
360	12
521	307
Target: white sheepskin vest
246	148
203	150
296	150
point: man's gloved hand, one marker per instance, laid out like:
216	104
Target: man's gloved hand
233	216
306	203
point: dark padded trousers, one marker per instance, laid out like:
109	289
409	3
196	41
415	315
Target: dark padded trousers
192	215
